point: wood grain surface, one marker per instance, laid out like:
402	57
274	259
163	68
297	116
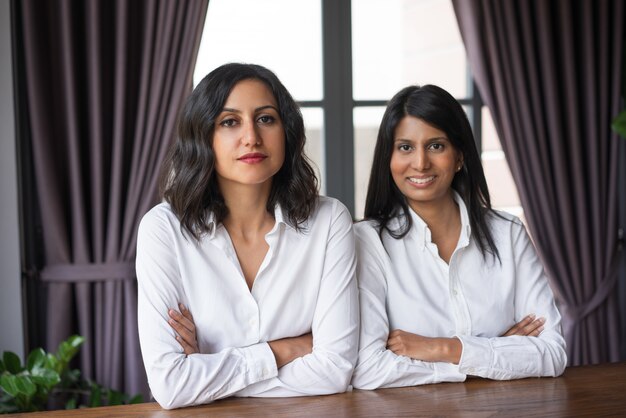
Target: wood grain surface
587	391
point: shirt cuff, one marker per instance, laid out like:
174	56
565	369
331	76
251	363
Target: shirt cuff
476	355
260	361
448	372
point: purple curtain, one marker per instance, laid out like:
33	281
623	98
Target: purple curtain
549	71
104	83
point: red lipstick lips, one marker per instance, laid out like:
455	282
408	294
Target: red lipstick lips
252	158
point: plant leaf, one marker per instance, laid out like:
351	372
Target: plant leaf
12	362
71	404
115	397
71	376
95	399
53	363
75	341
2	368
9	385
7	406
619	124
68	348
45	377
36	358
25	386
136	399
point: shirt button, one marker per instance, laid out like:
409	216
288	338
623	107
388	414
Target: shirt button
454	292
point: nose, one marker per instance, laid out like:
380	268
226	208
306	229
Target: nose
250	136
421	162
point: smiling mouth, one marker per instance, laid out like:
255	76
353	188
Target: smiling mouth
252	158
420	181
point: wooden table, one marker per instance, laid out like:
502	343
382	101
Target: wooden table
592	391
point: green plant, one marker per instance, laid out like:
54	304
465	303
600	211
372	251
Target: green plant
619	123
29	387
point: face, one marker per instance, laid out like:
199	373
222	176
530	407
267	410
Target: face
249	139
423	163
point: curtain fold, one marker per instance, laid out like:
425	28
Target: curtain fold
104	81
549	71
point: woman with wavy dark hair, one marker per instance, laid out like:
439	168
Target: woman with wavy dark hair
449	287
245	243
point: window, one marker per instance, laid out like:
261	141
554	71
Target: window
342	61
282	35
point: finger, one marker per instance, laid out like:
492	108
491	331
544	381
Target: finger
188	336
184	321
189	345
182	330
394	333
396	348
187	348
515	329
530	328
178	327
537	327
393	344
186	312
537	331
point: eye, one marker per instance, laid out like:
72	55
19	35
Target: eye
266	119
436	146
229	122
405	147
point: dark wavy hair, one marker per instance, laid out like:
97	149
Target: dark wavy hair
188	179
438	108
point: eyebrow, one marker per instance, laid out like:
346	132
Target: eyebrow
435	138
258	109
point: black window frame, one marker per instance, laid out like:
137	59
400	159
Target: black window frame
338	102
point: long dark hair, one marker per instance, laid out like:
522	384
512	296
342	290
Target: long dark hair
188	180
438	108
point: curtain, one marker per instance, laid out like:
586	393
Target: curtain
104	81
549	71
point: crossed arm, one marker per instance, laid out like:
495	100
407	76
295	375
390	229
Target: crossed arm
449	350
400	342
285	350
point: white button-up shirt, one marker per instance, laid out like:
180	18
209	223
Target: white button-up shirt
306	283
404	284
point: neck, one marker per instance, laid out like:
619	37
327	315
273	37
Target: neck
441	216
247	208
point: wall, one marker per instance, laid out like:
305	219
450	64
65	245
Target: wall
11	314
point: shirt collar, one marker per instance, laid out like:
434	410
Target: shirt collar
422	234
278	216
419	229
466	229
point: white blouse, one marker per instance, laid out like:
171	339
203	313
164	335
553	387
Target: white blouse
404	284
306	283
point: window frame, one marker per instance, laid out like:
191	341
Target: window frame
338	102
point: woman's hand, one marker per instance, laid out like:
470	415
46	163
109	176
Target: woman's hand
287	350
530	326
185	329
423	348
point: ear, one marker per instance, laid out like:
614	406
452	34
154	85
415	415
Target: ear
459	162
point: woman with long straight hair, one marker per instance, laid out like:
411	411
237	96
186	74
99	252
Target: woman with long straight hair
246	275
448	286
